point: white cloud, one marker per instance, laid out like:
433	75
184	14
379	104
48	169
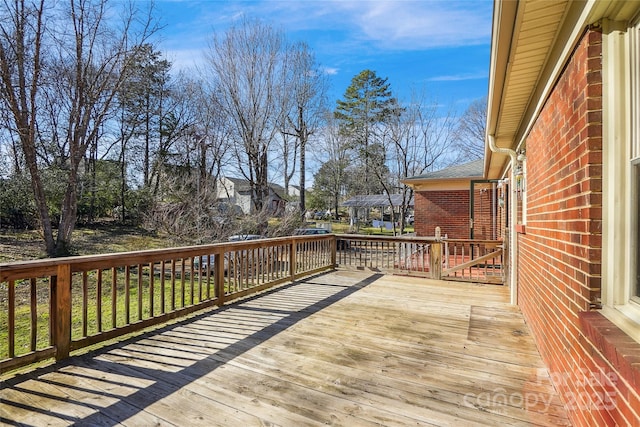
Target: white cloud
331	71
396	25
185	59
458	77
346	35
389	24
425	24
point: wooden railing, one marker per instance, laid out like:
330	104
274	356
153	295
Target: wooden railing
447	259
49	308
410	255
473	260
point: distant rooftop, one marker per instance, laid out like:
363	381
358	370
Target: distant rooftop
473	169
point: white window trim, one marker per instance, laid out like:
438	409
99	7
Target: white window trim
524	191
620	98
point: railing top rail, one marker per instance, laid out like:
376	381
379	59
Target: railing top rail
428	239
47	267
387	238
479	241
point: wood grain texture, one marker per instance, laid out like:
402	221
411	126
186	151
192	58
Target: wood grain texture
344	348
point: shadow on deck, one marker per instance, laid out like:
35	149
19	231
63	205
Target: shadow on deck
341	348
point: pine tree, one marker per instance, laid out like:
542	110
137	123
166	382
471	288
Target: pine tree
367	105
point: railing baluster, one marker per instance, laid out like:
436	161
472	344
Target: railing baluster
182	284
11	319
151	290
192	289
162	286
199	271
114	297
253	265
99	299
127	295
173	284
243	270
140	290
52	309
34	314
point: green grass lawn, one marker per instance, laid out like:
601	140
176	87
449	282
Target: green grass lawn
98	308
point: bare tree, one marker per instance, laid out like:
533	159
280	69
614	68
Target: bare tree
305	106
331	181
87	61
22	30
192	165
246	64
417	141
469	135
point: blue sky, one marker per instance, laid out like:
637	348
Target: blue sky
439	47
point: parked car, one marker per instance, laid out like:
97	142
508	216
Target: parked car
235	238
241	237
409	219
310	231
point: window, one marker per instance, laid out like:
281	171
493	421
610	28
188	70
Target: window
634	164
635	291
621	176
634	124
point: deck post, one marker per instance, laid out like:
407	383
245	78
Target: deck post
62	295
292	260
218	278
435	260
435	256
334	250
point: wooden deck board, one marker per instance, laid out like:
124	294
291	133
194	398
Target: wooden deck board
345	348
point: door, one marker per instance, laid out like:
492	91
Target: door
483	215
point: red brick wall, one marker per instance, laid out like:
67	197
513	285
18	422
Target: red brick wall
560	254
448	210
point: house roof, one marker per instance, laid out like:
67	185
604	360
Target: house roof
531	42
374	200
277	189
242	184
464	171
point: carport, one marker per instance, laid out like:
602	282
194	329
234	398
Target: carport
381	201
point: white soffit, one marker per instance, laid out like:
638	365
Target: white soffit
537	25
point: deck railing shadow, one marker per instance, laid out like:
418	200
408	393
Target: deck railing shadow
50	308
151	375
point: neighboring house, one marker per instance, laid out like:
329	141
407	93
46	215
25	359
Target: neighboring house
445	198
237	192
563	138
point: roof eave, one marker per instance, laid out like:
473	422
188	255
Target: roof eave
520	86
418	184
504	14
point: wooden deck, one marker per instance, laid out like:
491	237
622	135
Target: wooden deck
343	348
